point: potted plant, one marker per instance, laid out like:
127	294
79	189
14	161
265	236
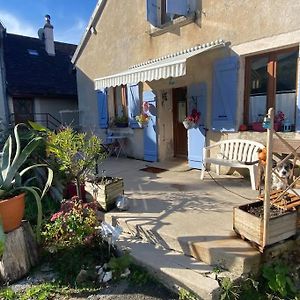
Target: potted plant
13	186
121	121
142	119
105	190
77	154
192	120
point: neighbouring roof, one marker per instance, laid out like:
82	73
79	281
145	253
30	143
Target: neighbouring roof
171	65
30	71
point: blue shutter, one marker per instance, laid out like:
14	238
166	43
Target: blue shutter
150	135
197	94
224	101
152	12
178	7
102	108
133	104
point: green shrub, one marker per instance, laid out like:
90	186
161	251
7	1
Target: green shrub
74	224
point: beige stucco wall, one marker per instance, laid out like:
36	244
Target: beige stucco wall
123	39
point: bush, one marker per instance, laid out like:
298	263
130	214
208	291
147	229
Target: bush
74	224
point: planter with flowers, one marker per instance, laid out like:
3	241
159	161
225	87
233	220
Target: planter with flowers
142	119
192	120
278	122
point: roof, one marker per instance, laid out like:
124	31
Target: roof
171	65
89	29
38	74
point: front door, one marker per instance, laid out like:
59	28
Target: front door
179	113
23	110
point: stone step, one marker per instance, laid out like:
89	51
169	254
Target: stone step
227	252
172	268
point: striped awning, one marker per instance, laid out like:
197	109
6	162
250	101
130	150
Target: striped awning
172	65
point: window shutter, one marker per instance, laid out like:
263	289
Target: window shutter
197	94
178	7
152	12
150	135
102	108
224	101
133	104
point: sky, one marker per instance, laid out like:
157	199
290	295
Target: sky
69	17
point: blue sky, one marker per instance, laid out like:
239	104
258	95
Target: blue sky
69	17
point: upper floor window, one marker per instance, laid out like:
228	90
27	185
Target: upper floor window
161	12
270	81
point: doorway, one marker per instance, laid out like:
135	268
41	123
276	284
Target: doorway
179	114
23	110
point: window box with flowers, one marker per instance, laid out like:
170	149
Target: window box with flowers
278	122
192	120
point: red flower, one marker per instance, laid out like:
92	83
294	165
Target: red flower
56	216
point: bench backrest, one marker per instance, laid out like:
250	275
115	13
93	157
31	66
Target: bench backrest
239	150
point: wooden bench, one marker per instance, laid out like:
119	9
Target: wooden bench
233	153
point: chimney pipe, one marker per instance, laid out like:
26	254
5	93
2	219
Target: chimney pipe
48	34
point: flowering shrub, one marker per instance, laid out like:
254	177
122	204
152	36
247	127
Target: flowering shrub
279	117
73	225
142	118
192	120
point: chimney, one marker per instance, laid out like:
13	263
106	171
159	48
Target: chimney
48	36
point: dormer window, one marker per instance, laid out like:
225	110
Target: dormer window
32	52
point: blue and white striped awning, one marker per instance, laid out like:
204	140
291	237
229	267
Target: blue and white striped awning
172	65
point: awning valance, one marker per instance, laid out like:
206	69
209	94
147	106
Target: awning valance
172	65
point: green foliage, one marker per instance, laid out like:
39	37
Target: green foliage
73	225
75	152
2	239
278	279
119	264
229	291
13	169
183	294
121	120
43	291
68	262
8	294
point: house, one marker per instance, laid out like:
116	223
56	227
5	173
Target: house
40	80
230	61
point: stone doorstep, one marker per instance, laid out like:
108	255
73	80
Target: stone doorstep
232	254
172	268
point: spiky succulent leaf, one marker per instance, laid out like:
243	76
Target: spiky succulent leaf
37	197
6	158
19	161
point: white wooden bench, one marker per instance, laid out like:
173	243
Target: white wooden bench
235	153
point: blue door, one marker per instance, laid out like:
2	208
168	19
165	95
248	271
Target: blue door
196	95
150	135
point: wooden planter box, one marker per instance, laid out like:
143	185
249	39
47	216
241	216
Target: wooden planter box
250	227
106	194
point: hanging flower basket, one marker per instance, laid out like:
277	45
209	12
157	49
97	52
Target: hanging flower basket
142	120
192	120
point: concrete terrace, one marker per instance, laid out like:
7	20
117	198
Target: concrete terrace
178	211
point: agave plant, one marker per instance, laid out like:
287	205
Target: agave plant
12	171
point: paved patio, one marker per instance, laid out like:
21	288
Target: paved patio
178	211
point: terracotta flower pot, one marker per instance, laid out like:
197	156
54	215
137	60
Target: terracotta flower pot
12	212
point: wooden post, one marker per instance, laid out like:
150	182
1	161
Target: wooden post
268	176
